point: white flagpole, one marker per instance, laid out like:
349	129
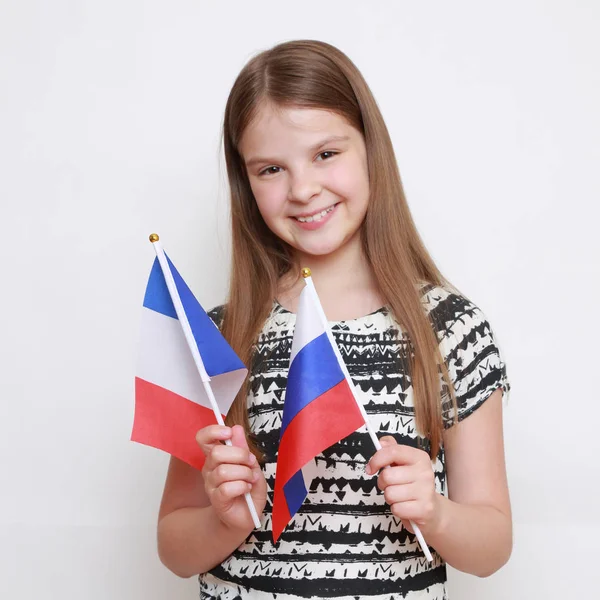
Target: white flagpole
311	289
189	336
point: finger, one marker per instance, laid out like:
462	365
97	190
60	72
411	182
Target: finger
411	510
395	475
232	455
397	454
238	437
230	490
388	440
209	436
228	472
401	493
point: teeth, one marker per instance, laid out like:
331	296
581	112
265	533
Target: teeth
316	217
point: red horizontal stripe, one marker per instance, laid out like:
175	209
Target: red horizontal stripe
169	422
324	422
281	513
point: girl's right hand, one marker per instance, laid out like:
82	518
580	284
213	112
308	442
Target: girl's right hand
229	472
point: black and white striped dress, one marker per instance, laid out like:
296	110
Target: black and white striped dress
344	542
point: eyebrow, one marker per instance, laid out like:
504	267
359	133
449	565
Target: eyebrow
330	140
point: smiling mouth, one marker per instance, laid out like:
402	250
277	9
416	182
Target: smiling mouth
317	216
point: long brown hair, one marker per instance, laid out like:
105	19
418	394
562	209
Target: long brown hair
314	74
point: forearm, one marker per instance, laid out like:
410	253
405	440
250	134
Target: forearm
472	538
194	540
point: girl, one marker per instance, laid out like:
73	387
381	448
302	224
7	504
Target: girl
314	183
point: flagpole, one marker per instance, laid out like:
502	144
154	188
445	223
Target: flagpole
306	274
191	342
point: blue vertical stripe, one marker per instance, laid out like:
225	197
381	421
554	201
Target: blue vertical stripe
217	355
157	297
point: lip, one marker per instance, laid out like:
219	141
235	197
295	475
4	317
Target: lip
314	212
313	225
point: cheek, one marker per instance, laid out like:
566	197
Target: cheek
352	181
270	198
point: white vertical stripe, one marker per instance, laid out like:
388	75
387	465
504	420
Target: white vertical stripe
164	359
181	314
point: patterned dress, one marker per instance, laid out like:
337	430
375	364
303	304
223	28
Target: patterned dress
344	543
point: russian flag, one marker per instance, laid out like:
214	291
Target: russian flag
319	408
171	402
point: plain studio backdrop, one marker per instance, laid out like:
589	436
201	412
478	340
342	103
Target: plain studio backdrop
110	120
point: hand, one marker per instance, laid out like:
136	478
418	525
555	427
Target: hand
408	484
229	472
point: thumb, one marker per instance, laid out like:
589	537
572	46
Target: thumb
388	440
238	437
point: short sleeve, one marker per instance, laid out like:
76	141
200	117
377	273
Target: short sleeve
469	349
216	315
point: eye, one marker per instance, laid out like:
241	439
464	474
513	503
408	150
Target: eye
326	154
270	171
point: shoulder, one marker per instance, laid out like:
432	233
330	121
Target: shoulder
216	315
468	346
278	316
457	320
449	310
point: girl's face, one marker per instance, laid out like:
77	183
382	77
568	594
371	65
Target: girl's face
308	172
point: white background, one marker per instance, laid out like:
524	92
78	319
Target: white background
110	116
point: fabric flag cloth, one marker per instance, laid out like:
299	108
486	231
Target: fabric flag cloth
171	404
319	408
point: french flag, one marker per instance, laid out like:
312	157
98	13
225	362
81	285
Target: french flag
319	408
171	391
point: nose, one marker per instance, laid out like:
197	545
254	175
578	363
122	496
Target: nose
304	186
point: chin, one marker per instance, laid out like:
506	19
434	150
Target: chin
320	250
321	245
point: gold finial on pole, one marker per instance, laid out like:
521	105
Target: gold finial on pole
305	272
154	237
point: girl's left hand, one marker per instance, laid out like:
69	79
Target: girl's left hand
407	483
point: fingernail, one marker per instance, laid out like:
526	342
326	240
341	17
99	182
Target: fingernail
249	486
225	431
368	469
255	476
252	459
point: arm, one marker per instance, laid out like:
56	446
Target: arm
203	516
471	529
474	532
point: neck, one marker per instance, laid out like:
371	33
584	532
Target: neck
344	281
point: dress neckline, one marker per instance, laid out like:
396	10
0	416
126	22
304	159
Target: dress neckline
282	310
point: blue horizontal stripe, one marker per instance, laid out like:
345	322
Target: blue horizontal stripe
295	492
314	371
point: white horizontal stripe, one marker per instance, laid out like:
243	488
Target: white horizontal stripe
165	359
309	472
311	569
308	323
